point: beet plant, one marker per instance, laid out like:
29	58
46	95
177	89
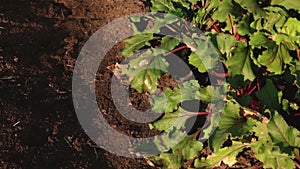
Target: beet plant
257	43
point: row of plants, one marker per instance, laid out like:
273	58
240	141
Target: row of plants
251	49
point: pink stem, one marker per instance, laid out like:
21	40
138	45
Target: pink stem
249	86
258	85
252	90
238	93
297	114
215	26
175	50
220	74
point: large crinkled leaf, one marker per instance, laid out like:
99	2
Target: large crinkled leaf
204	55
226	155
162	5
135	43
288	4
196	61
267	152
166	6
271	60
240	62
169	120
168	102
161	22
283	135
253	7
275	56
231	122
268	95
169	43
244	27
144	71
190	90
275	19
146	79
187	149
259	39
223	42
226	7
292	28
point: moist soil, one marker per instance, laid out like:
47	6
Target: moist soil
39	43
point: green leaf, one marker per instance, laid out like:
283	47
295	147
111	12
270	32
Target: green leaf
259	39
146	80
189	90
244	100
252	7
227	155
169	43
272	22
244	25
168	102
267	152
223	42
196	61
288	4
283	135
226	7
136	42
231	122
237	81
169	120
271	60
144	71
240	62
162	6
295	71
268	95
274	57
187	149
292	28
204	55
166	6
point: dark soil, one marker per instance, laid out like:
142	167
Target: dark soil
39	43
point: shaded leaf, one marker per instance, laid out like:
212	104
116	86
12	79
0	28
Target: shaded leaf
231	122
283	135
240	62
169	43
168	102
135	43
268	95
